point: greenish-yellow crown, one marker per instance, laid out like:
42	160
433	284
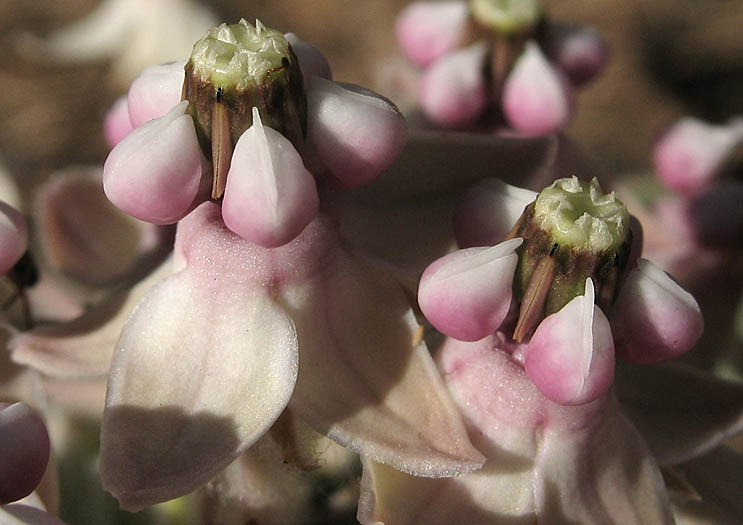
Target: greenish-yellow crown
580	215
506	16
239	55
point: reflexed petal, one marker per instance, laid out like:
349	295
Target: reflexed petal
654	318
681	411
116	123
691	153
487	212
202	369
24	451
536	99
270	196
428	30
153	174
570	357
453	91
311	60
13	236
467	294
366	379
155	92
356	133
84	346
579	51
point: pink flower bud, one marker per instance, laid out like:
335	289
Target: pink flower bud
467	294
579	51
116	123
570	357
428	30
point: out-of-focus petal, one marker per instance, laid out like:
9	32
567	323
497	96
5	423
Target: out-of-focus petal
311	60
84	236
154	93
486	212
536	99
27	511
83	347
116	123
682	412
570	357
453	91
654	319
691	153
203	367
270	196
716	215
9	192
366	379
579	51
467	294
355	133
13	236
428	30
24	451
154	173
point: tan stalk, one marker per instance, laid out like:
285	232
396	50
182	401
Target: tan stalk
532	305
221	146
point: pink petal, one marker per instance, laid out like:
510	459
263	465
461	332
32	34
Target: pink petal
579	51
355	133
571	355
690	154
154	173
203	368
154	93
270	196
116	123
428	30
24	451
453	91
536	99
467	294
655	318
13	236
311	60
487	212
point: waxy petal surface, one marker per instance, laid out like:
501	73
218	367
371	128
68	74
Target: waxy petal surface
356	134
201	371
453	90
270	196
467	294
536	99
155	92
154	172
13	236
428	30
116	122
654	318
570	357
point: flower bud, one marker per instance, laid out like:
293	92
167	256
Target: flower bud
507	16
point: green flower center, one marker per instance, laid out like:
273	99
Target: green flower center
506	16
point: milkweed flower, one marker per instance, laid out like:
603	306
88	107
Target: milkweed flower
484	60
262	108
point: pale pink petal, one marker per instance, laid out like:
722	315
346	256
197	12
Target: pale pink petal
682	412
116	122
570	357
154	173
579	51
270	196
536	98
654	318
24	451
428	30
84	236
311	60
690	154
355	133
366	379
13	236
154	93
487	212
453	91
467	294
83	347
203	367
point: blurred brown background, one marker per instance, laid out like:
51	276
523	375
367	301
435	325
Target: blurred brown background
669	57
